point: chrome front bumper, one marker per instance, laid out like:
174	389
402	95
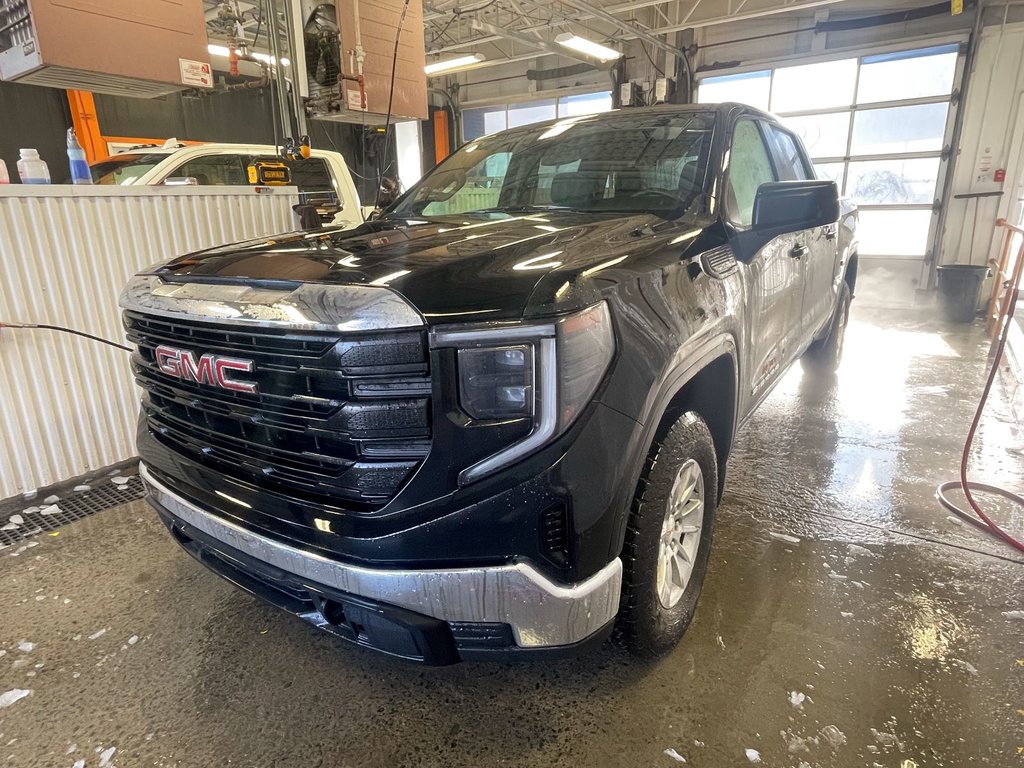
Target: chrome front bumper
542	613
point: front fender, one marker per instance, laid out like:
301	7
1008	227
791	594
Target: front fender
692	358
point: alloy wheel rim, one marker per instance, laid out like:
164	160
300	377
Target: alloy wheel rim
680	533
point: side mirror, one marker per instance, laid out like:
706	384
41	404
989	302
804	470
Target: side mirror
789	206
181	181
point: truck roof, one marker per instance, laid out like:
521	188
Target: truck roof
261	149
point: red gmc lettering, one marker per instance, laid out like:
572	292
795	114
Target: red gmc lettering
209	369
224	364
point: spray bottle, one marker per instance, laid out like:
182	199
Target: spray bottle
76	157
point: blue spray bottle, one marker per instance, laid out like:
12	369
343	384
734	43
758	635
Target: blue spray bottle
76	156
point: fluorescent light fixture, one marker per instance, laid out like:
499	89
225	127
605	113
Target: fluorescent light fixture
454	65
223	50
588	47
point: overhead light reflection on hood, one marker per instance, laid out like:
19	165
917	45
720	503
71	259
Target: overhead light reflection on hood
393	276
544	261
604	265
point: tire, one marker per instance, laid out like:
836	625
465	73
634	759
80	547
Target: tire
649	625
824	355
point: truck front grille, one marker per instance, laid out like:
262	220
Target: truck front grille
341	417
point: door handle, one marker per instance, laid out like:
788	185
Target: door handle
831	232
799	251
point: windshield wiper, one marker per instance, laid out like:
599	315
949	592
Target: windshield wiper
521	209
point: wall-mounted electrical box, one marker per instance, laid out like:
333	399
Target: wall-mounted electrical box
120	47
627	94
663	89
371	25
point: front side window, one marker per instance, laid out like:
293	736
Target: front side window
216	170
749	168
627	165
789	158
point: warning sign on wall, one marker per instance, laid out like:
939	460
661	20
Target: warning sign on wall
197	73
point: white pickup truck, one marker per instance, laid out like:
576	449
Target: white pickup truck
323	178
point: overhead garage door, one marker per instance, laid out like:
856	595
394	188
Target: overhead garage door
879	125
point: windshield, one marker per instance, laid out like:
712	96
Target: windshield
653	164
124	168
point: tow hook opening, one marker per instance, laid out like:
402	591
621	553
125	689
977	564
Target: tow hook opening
334	612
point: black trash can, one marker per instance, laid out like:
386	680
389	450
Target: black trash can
959	290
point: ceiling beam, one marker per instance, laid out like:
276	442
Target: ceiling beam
531	42
690	20
795	5
603	15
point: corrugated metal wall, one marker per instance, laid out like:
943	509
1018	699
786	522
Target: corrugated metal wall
68	405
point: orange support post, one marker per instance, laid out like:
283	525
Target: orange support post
442	147
87	125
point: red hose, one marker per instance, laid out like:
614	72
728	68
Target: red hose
964	484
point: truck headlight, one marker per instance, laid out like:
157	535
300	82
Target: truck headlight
496	382
544	372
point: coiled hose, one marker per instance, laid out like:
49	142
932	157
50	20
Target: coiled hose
983	521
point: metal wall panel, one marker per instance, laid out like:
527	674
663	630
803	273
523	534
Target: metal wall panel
68	405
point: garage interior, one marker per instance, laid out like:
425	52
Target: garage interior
847	617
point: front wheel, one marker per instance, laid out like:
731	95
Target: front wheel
824	355
668	538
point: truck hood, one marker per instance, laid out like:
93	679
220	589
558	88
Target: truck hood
450	268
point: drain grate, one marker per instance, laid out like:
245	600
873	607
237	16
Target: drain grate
43	518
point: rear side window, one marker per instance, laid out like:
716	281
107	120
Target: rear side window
789	157
314	180
216	170
749	168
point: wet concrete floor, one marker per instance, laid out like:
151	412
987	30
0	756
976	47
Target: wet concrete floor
888	633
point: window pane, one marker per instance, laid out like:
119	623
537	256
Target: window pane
531	112
313	179
823	135
482	122
893	233
907	75
814	86
885	182
748	88
479	189
899	129
749	168
789	160
218	170
834	171
585	104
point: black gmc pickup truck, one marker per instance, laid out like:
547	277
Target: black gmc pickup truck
495	421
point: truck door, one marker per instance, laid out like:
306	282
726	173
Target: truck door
774	272
820	263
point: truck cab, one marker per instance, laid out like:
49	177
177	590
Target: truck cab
323	178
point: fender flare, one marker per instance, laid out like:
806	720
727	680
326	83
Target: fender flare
696	360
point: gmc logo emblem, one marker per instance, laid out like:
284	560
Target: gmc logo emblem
209	369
